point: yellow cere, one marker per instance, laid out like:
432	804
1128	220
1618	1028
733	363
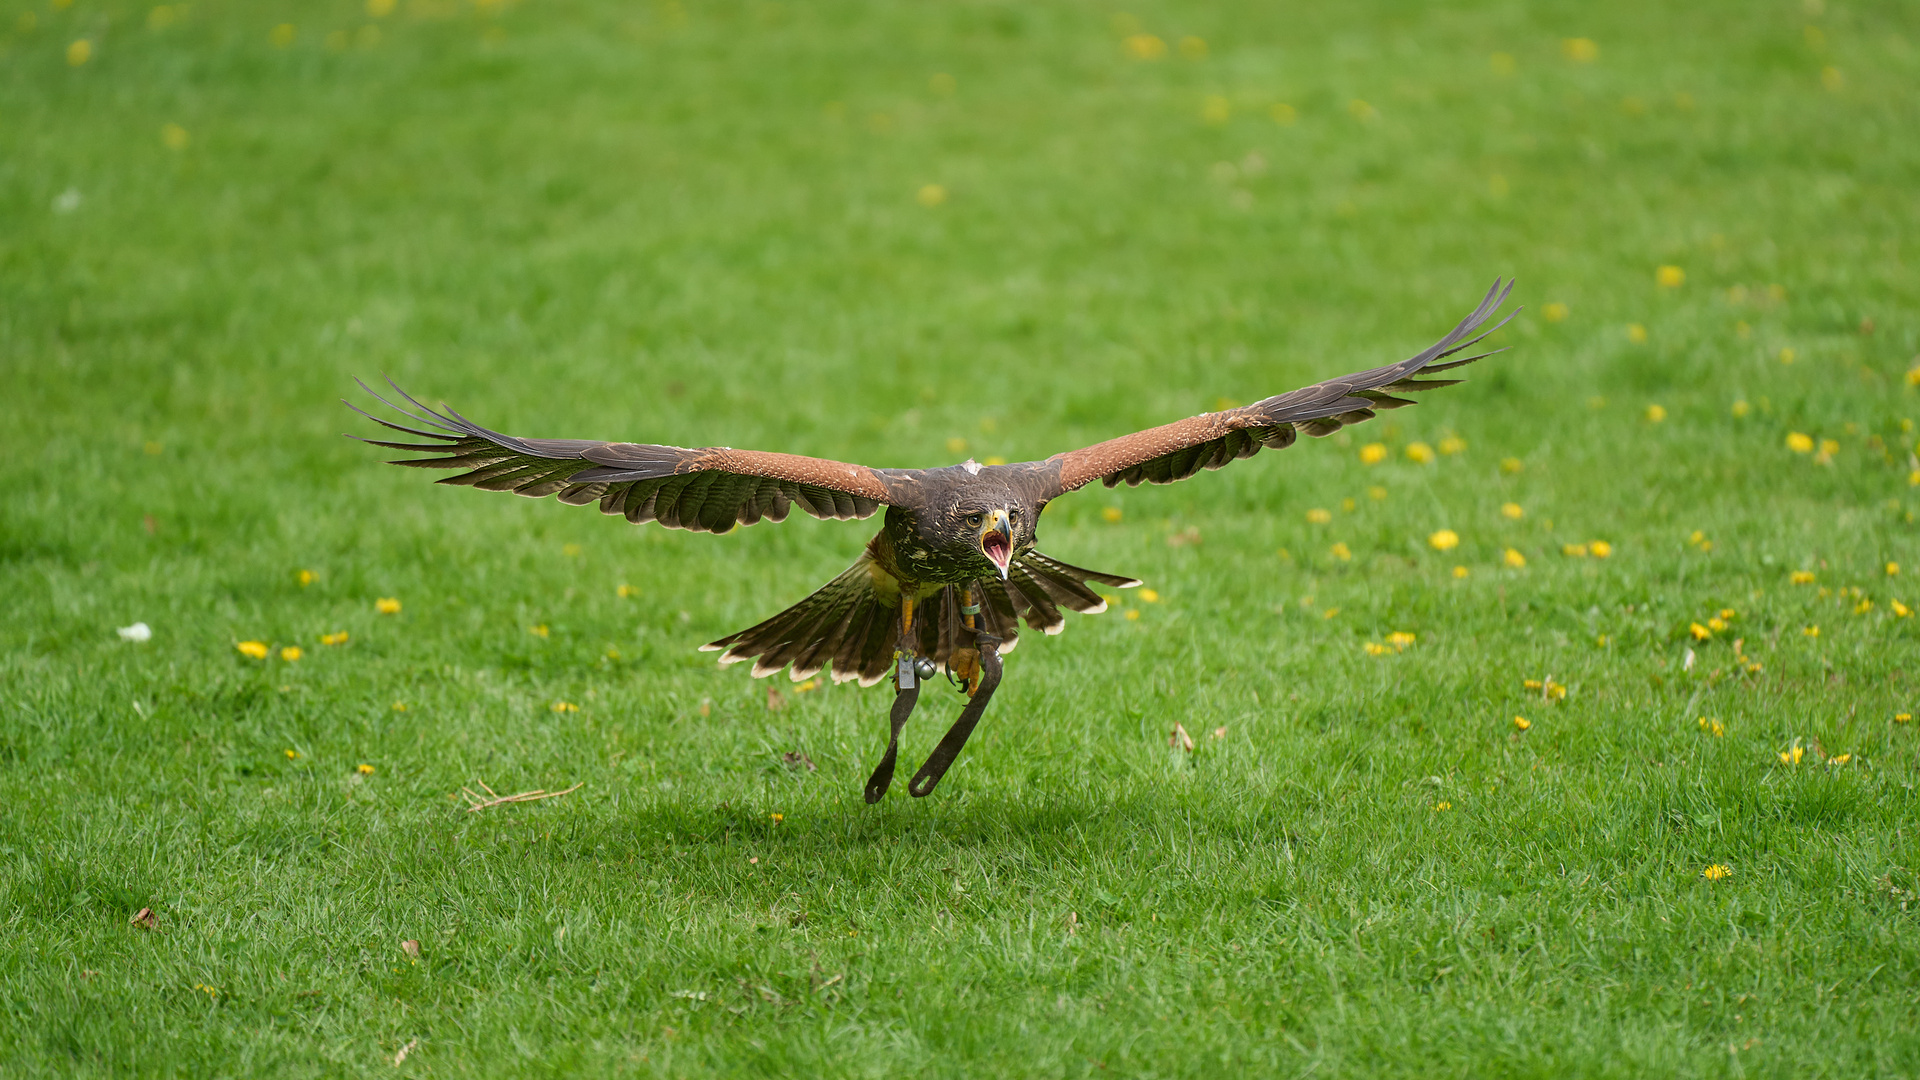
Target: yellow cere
255	649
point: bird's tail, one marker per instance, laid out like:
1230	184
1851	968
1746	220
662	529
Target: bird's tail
850	627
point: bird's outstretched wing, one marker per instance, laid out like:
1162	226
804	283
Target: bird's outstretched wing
1176	451
709	489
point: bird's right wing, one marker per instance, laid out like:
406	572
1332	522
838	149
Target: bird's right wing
1178	450
708	489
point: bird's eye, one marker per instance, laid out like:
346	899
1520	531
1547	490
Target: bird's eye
973	521
1013	515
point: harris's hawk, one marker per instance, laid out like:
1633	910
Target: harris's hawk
943	584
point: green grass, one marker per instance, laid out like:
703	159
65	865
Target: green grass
699	225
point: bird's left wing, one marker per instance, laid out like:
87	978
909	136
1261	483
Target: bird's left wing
1178	450
706	489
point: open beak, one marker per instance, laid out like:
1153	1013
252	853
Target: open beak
996	541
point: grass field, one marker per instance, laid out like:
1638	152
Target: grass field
903	234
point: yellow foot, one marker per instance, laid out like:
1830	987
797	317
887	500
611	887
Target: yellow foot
965	665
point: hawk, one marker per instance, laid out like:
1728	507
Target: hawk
944	583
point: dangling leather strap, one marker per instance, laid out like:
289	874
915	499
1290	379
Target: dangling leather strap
956	737
882	778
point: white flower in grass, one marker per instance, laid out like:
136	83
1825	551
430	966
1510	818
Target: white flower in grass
137	632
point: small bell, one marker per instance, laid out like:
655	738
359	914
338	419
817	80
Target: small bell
924	668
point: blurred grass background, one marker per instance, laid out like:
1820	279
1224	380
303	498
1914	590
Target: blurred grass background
903	234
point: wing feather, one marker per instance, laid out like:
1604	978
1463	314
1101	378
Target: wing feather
1178	450
710	489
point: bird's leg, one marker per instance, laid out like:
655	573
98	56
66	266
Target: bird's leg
965	663
906	695
956	737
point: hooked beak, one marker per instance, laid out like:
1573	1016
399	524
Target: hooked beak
996	541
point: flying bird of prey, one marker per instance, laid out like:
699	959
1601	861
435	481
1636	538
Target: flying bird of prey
952	571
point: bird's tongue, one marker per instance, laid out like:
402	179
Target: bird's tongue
999	549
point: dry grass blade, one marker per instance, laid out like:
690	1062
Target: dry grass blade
476	803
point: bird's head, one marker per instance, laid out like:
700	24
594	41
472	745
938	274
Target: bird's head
984	530
992	530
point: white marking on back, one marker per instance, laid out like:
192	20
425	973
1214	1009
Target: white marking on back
972	467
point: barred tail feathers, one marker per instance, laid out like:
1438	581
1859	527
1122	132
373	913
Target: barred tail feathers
849	627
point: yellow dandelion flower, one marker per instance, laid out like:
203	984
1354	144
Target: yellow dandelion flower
79	52
1716	872
625	591
254	649
1840	759
1400	639
399	706
380	9
174	137
776	818
1700	633
336	638
1330	613
810	684
1902	718
1531	684
1863	607
1420	453
1811	631
1522	723
1145	47
539	631
363	769
1801	577
1670	277
387	605
1373	453
1600	549
291	754
1696	538
1377	493
1441	807
1787	355
1453	444
1443	540
1656	413
564	707
1460	571
1112	514
1913	478
1740	409
306	577
1580	50
1913	379
1727	613
1636	333
1514	559
1149	596
1575	551
1342	552
1829	447
995	459
1900	610
282	35
1283	114
1799	443
1893	569
1132	614
1511	465
931	195
1555	311
1319	516
1512	510
1712	727
291	653
1374	648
